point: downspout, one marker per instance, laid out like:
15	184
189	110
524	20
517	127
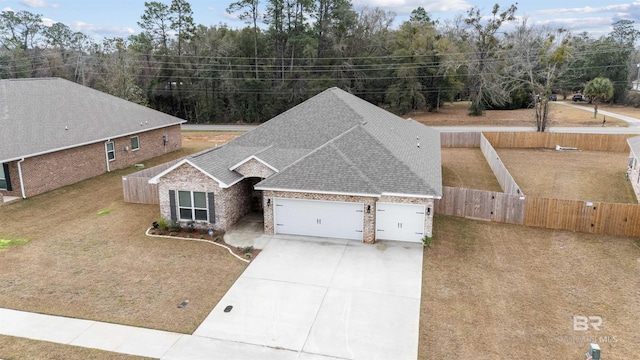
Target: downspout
106	154
21	180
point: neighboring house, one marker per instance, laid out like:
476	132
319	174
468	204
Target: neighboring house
633	174
54	132
334	166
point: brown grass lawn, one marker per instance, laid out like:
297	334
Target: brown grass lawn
102	267
617	109
575	175
467	168
499	291
453	114
41	350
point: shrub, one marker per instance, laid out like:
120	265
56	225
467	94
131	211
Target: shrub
426	241
476	109
174	226
163	224
247	255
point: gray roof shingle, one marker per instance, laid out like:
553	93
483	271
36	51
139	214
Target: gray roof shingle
44	115
336	142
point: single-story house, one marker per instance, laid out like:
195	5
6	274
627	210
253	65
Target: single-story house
633	174
333	166
54	132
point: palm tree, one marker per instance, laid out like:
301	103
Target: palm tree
600	89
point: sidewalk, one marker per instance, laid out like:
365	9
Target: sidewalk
130	340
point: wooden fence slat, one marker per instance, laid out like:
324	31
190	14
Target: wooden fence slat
549	140
136	188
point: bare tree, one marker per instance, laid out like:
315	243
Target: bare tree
537	58
484	60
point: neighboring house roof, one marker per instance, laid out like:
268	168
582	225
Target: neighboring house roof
336	143
39	116
634	145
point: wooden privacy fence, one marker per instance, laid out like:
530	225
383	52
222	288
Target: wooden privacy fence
549	140
481	204
573	215
506	181
460	139
583	216
136	187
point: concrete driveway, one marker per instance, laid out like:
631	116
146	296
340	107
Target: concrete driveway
308	297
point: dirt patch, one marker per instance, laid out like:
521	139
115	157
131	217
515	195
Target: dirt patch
208	139
467	168
574	175
41	350
456	114
499	291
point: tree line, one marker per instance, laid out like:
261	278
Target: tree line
291	50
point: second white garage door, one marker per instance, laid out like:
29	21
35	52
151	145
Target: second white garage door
332	219
401	222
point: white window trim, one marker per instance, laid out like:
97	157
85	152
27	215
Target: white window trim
106	148
137	137
193	207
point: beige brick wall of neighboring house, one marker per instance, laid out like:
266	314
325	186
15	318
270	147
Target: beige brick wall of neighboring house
254	168
429	203
369	231
634	175
230	204
51	171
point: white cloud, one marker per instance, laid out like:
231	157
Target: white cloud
590	10
48	22
7	9
101	30
37	3
404	7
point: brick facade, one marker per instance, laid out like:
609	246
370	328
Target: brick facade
230	204
634	174
51	171
369	231
254	168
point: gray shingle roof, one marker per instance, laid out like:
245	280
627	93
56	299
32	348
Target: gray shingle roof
336	142
44	115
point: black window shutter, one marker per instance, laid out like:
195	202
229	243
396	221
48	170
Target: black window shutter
172	204
212	208
7	177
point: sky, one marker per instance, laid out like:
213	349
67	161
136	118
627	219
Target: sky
102	18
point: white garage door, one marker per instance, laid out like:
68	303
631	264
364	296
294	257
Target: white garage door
332	219
402	222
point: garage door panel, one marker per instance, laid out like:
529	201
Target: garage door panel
319	218
402	222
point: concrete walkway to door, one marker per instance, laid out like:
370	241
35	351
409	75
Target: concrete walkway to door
335	298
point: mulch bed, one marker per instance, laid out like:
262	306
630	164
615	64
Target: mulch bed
218	238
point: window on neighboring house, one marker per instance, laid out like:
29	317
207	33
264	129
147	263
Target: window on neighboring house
192	205
111	151
135	143
3	178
